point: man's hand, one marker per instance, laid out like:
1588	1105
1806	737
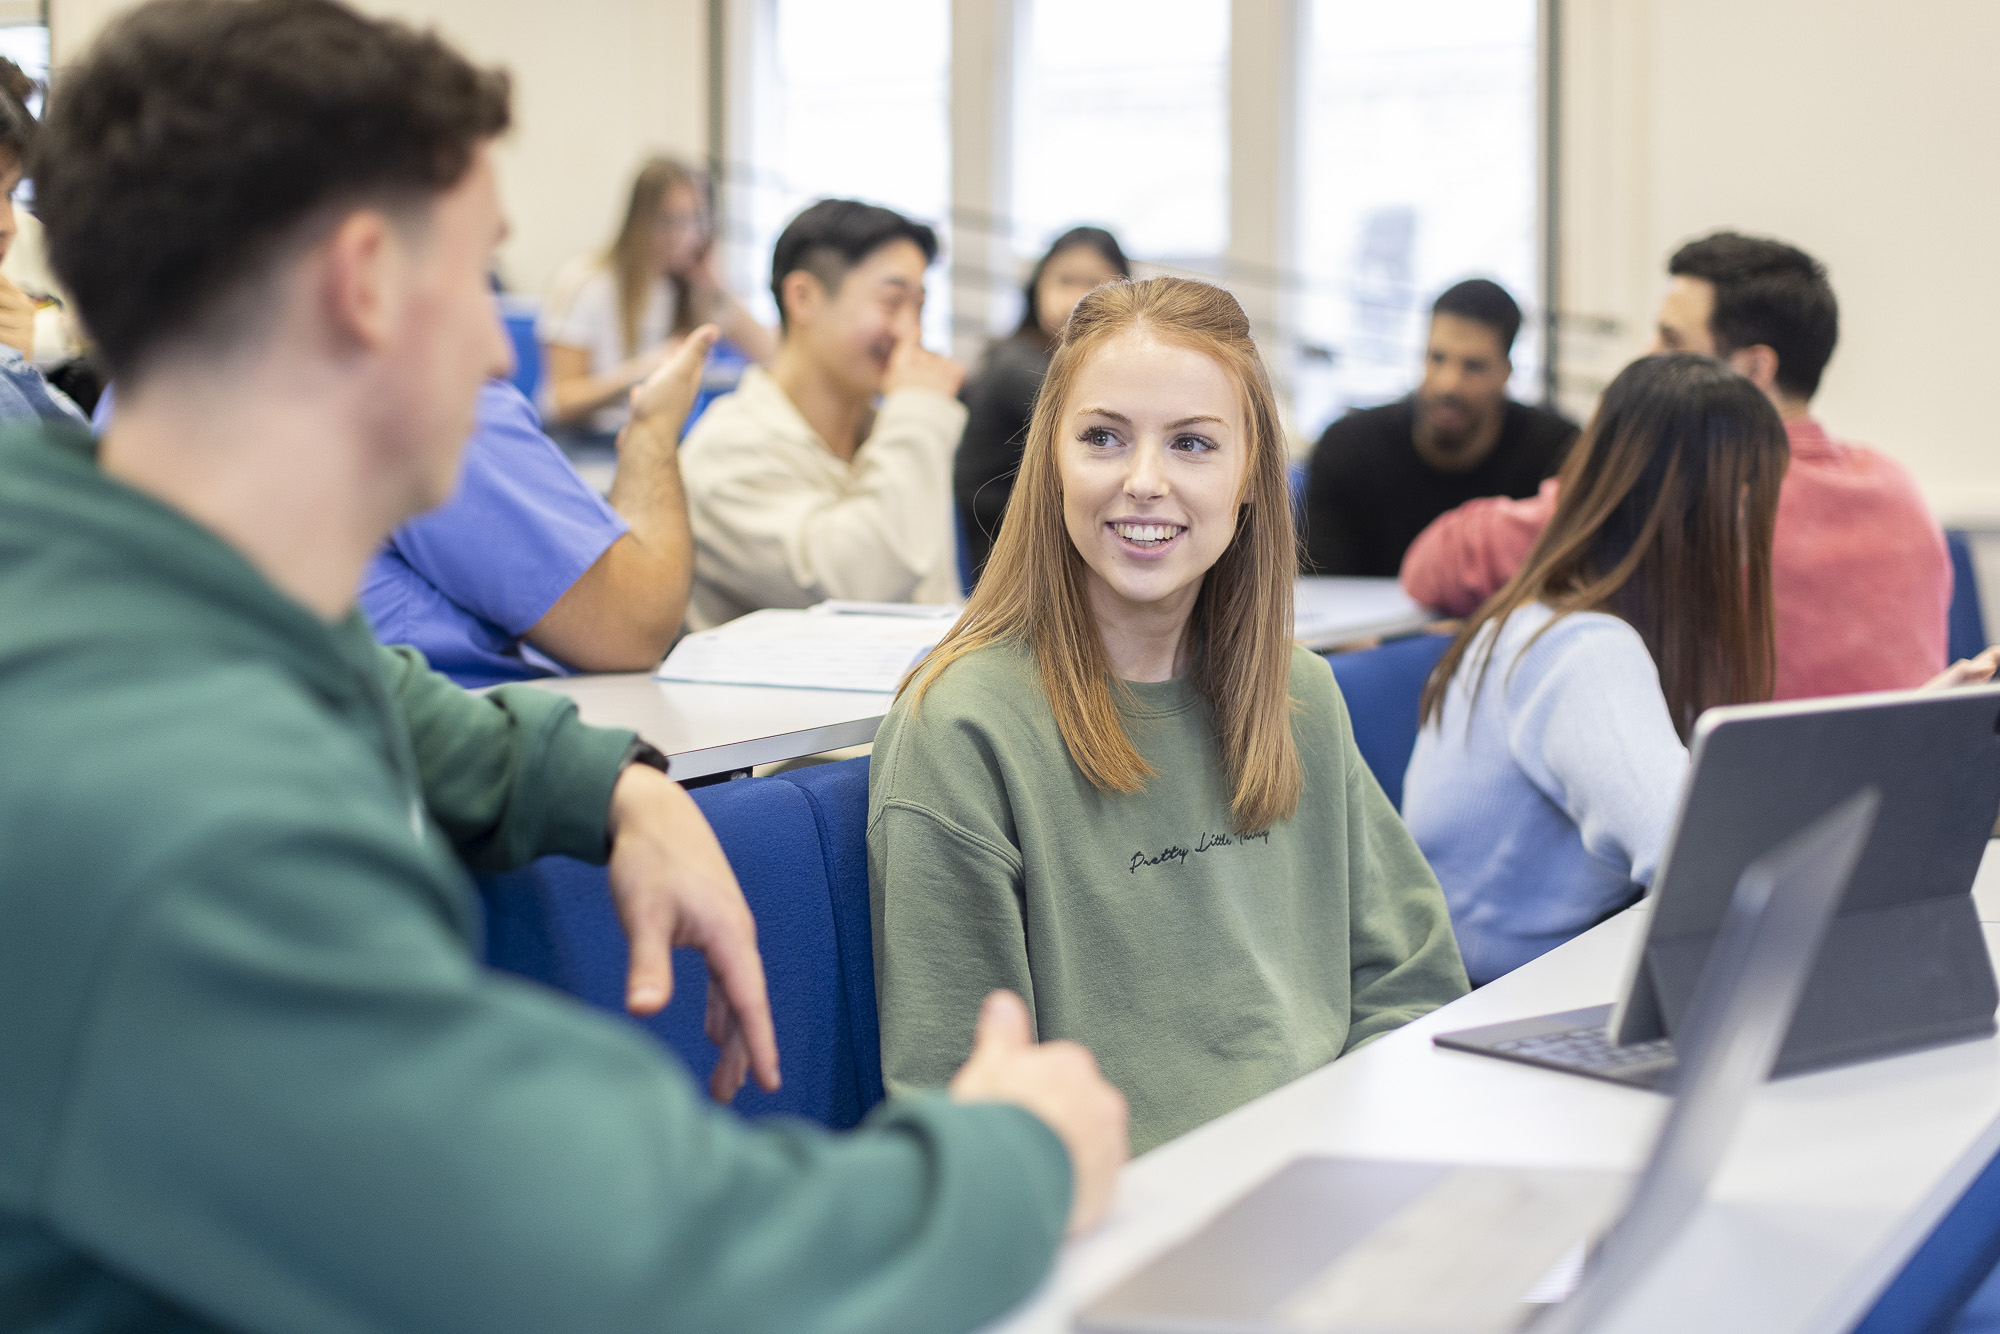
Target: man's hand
1967	671
1059	1082
17	318
661	401
674	887
913	366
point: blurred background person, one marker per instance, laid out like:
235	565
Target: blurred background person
1379	475
24	394
608	327
999	396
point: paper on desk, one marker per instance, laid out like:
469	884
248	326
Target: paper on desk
1331	610
811	650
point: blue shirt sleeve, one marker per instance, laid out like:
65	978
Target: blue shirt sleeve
523	527
26	396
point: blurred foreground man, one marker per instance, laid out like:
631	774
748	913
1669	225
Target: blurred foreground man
251	1075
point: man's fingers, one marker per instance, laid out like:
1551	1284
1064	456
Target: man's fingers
649	973
1003	1023
734	963
727	1079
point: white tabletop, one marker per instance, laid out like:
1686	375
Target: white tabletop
707	730
1834	1179
1330	611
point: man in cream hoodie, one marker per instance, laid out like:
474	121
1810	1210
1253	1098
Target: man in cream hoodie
829	475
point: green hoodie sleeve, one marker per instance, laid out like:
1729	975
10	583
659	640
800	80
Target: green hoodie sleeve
1403	956
299	1105
510	775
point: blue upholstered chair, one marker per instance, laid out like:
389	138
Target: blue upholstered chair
519	312
1382	687
554	922
1966	633
1941	1287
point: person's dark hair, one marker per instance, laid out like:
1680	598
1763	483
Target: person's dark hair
18	130
833	236
197	138
1770	293
1483	302
1664	520
1090	238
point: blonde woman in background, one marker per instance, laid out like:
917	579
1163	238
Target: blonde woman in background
610	325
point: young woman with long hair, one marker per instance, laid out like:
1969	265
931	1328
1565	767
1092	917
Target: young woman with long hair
618	314
1555	726
999	395
1116	787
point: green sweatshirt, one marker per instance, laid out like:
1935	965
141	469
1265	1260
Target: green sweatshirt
251	1075
1203	967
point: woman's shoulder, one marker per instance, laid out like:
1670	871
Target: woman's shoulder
1538	644
982	683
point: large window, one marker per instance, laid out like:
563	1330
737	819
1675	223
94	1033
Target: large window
854	102
1419	168
1123	121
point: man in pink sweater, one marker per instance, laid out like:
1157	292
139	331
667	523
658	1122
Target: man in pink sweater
1859	570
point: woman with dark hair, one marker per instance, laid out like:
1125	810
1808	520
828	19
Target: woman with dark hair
1000	394
1556	725
1116	788
611	325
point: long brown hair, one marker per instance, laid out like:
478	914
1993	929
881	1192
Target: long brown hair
1033	590
1664	520
628	256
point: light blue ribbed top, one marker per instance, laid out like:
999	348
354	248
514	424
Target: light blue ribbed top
1545	804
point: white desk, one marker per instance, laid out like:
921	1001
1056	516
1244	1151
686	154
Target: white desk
709	730
1833	1181
1329	611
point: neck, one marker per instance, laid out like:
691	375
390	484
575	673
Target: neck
1464	457
1789	408
837	416
263	462
1145	641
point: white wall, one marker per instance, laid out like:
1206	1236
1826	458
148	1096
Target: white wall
1860	130
598	85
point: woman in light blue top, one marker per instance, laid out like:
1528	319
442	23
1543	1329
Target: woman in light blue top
1555	727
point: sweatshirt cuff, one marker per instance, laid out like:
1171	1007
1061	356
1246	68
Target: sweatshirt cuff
571	776
926	407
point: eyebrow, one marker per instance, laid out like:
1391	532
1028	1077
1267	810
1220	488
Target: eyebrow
1124	420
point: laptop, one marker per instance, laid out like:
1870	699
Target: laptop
1905	964
1345	1246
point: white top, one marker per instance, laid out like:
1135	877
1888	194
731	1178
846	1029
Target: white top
780	520
1545	805
583	312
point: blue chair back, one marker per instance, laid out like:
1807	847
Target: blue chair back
1941	1287
1382	687
519	312
1295	481
1966	633
554	922
838	795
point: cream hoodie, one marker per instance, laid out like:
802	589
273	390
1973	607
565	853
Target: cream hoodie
779	520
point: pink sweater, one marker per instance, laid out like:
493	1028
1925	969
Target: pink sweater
1859	572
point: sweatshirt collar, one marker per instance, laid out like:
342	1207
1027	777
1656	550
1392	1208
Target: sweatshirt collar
1808	438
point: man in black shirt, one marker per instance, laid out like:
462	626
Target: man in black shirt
1380	475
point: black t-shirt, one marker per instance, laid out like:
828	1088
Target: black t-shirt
1369	493
999	398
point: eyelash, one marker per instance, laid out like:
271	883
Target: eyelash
1102	439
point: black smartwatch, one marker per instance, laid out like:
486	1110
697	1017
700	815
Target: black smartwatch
643	752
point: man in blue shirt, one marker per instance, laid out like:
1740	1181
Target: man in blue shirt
527	571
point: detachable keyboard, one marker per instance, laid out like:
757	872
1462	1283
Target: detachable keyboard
1575	1041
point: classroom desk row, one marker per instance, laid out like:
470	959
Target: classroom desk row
1833	1181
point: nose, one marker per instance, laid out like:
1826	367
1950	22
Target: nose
1146	474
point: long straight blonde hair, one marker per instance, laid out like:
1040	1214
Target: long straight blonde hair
629	254
1033	588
